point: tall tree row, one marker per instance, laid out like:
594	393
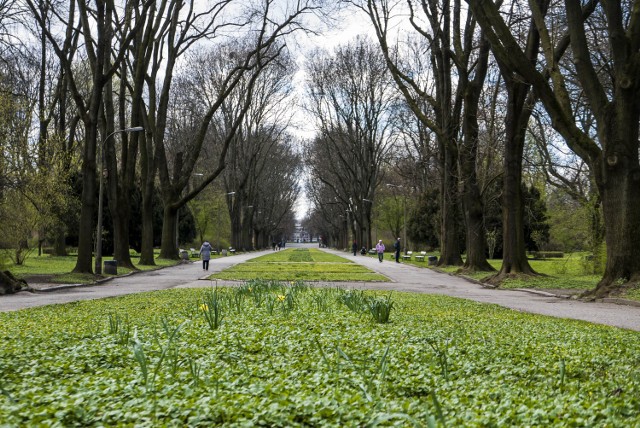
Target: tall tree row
117	61
606	33
351	97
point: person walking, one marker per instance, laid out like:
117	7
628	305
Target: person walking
396	247
354	247
205	254
380	250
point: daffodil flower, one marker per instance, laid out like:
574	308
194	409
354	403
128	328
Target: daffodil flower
204	307
281	297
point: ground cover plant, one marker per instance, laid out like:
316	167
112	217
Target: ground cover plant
300	264
281	354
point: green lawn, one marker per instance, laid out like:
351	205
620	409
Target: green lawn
300	265
568	273
57	269
292	355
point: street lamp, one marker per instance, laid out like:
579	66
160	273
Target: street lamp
98	265
404	214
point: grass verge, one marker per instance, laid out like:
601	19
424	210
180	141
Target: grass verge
53	269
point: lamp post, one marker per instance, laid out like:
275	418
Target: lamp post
98	265
404	215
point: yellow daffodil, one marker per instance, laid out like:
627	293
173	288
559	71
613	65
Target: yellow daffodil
281	297
204	307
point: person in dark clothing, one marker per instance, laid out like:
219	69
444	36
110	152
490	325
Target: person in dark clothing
396	247
205	254
354	247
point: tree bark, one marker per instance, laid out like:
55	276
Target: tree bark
619	186
476	242
449	211
10	284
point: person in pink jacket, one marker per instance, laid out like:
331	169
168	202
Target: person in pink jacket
380	250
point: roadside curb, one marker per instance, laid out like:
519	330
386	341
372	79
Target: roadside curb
543	293
619	301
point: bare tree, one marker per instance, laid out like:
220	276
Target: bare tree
269	25
613	99
354	100
443	93
103	55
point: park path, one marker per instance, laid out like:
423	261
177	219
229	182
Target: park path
403	277
415	279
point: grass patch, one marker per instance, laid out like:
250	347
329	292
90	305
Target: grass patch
268	354
56	269
300	255
570	273
300	265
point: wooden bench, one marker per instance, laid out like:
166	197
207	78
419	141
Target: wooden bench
194	253
407	255
421	256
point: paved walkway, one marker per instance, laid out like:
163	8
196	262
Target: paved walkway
403	277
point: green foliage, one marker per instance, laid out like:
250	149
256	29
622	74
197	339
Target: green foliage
536	220
569	224
211	308
441	362
380	309
423	223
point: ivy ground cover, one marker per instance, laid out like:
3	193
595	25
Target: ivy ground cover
300	264
271	354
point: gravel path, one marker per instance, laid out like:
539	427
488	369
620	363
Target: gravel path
403	277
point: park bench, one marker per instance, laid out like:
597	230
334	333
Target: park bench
433	260
194	253
420	257
372	251
407	255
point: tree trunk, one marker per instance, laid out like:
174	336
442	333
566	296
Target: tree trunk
619	184
59	247
88	200
476	242
514	256
147	258
168	249
449	245
10	284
